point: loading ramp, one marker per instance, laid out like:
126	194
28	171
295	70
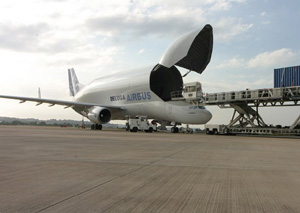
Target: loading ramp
246	103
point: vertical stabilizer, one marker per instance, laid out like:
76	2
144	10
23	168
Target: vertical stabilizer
74	84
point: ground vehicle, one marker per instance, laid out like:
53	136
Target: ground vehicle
215	129
186	130
139	123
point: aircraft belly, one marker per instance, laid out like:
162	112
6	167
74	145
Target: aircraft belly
169	112
189	118
183	114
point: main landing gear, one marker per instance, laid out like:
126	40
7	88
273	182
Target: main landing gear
174	129
96	127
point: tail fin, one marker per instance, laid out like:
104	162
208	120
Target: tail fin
74	84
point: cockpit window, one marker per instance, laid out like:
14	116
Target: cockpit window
190	89
197	107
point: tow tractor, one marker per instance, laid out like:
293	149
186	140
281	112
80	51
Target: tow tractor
140	123
216	129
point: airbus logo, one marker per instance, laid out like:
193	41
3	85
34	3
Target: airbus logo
117	98
139	96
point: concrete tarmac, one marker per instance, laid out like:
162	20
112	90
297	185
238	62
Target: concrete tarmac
50	169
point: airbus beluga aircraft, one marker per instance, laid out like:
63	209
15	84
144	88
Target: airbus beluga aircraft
144	91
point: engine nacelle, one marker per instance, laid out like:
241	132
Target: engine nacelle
99	115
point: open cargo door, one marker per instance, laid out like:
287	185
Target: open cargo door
191	51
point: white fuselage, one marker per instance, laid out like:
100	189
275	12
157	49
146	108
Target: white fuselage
146	91
131	91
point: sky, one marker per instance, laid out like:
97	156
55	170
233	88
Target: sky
41	39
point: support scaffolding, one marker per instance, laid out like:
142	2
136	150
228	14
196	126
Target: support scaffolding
246	116
246	103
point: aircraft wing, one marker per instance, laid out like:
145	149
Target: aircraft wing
53	102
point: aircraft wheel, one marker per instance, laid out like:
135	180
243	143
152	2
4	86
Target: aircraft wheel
96	127
174	130
226	131
215	132
207	131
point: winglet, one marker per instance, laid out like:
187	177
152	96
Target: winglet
74	84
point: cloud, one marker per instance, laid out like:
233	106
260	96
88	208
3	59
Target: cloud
265	22
40	38
141	51
221	5
233	62
168	18
159	22
269	59
235	84
60	26
276	58
21	37
263	14
229	28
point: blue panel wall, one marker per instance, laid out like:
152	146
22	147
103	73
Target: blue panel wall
287	76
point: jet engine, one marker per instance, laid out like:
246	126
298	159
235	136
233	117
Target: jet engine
99	115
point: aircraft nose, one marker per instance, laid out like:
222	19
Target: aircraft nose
207	116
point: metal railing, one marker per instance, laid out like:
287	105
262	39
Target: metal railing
270	94
176	94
